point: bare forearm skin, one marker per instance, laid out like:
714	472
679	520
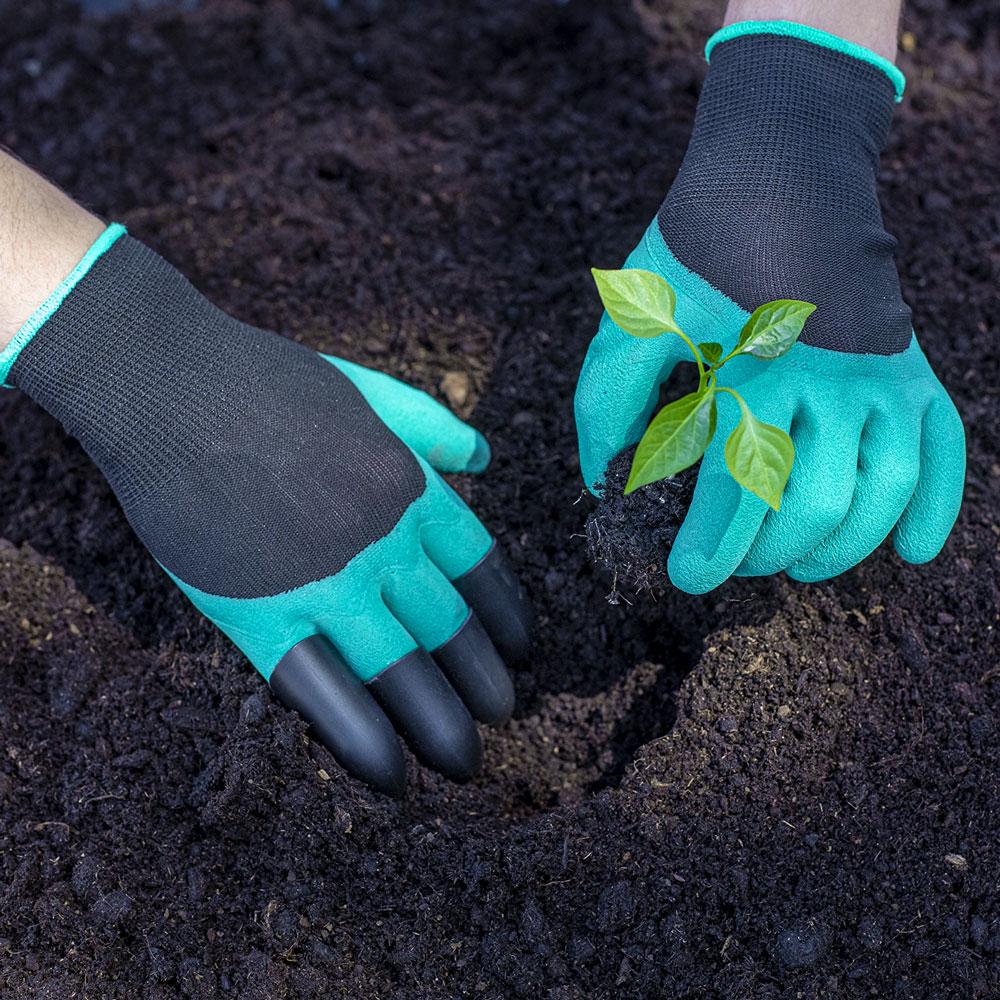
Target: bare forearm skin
43	234
871	23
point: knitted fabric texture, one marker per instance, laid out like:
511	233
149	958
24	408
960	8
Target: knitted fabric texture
246	463
777	196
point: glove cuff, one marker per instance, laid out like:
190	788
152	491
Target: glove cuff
814	36
47	309
777	197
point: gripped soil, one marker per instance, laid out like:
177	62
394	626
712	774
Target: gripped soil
773	791
630	535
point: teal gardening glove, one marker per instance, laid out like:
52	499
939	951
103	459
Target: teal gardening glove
777	198
295	499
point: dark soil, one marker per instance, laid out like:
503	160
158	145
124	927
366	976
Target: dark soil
772	791
631	536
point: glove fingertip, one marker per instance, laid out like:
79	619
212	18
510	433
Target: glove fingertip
481	455
689	572
918	548
594	460
805	572
933	510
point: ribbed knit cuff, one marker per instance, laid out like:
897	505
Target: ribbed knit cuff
805	33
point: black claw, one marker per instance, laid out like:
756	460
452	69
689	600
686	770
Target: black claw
313	679
473	665
426	710
492	590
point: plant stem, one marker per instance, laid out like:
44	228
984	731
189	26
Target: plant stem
739	399
697	357
736	350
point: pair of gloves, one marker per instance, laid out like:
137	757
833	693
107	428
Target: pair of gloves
296	499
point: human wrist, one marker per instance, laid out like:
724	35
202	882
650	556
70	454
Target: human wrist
36	302
43	234
872	27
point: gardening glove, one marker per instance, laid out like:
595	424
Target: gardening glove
293	498
777	198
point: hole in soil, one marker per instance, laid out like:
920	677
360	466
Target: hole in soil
604	679
650	711
674	630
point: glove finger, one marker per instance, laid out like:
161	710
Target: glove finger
491	588
817	496
428	606
615	395
428	712
465	553
313	679
723	518
411	690
427	426
888	466
933	508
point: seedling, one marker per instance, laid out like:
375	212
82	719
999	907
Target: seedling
759	456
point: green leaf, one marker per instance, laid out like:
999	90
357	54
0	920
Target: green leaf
640	302
710	351
677	438
773	327
759	457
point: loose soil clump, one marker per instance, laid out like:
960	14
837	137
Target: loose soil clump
630	536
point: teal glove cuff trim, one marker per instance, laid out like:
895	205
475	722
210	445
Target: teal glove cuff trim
791	29
47	309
